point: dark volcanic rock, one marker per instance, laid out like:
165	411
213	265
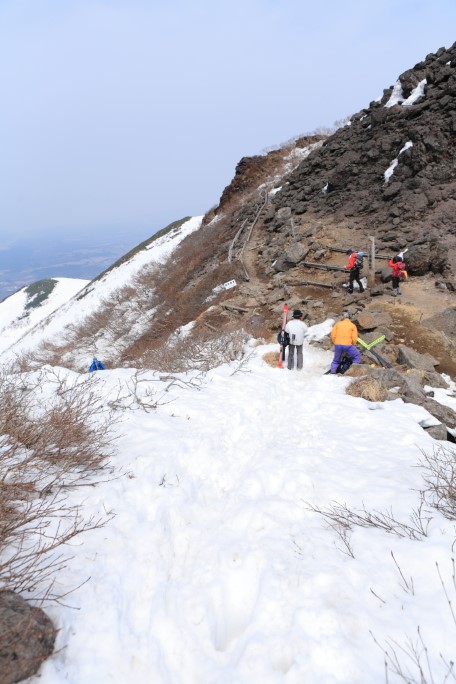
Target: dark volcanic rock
26	638
444	321
346	176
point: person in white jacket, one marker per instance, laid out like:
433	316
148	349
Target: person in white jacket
297	330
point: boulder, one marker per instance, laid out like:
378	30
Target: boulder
434	379
444	414
413	359
439	431
369	320
275	296
408	386
296	253
27	638
445	322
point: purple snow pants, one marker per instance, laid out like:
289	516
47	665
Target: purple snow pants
349	349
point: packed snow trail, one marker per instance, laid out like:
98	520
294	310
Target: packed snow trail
215	571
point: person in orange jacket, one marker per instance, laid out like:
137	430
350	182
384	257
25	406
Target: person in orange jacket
344	336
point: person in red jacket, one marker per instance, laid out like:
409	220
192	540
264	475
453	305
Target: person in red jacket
354	271
399	273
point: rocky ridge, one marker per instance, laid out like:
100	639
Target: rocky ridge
389	175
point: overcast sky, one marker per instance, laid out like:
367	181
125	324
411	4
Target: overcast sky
120	116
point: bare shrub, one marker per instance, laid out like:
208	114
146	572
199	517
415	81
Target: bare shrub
367	388
46	447
341	518
439	474
413	662
200	352
137	394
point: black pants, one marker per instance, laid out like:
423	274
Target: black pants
354	277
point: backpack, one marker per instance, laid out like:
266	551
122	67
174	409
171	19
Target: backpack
286	340
96	365
359	260
344	364
400	269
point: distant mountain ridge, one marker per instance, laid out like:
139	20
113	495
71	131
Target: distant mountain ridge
20	312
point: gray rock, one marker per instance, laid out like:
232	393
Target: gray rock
369	320
445	414
319	254
444	321
413	359
438	431
296	253
27	638
275	296
434	379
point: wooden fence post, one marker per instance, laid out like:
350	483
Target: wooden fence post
371	273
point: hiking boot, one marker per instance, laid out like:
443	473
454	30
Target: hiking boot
361	289
350	291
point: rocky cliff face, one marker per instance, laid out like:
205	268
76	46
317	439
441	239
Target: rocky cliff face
389	177
392	171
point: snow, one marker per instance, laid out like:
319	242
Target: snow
416	93
216	569
390	170
397	96
16	321
300	153
74	312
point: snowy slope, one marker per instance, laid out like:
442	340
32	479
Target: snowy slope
54	327
215	571
19	312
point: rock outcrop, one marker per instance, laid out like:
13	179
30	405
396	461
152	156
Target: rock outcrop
27	638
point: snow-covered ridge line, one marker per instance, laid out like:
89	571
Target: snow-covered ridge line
87	301
19	313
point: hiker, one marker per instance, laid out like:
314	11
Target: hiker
344	336
96	365
296	329
355	264
399	273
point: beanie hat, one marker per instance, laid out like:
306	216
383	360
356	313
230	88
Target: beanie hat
297	313
349	251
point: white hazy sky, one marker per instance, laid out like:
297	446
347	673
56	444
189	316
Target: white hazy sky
121	116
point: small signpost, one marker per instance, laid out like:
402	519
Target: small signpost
371	272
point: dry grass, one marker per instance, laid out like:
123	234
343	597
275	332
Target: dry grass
367	388
272	358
